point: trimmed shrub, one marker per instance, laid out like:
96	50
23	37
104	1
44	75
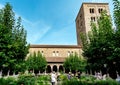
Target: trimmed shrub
63	77
43	80
8	81
107	82
26	80
99	82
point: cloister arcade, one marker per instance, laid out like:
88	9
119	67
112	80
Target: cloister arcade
56	68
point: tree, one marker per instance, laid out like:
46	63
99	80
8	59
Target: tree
36	62
117	34
117	13
75	63
100	43
7	22
19	45
13	45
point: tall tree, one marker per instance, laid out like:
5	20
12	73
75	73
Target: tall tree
75	63
36	61
117	13
7	23
19	44
100	43
117	33
13	45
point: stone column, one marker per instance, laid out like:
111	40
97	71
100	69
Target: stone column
57	68
8	73
51	67
63	69
0	73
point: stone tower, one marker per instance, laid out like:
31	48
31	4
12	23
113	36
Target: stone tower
87	13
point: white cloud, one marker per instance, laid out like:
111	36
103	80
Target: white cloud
35	30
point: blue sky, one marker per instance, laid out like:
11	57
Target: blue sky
49	21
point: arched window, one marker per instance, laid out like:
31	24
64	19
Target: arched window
53	53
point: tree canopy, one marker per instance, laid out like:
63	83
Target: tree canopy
101	45
13	44
36	61
74	62
117	33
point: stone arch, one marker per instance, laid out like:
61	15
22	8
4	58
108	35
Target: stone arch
48	70
11	72
36	71
61	68
55	68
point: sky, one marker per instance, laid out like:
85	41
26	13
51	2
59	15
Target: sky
50	22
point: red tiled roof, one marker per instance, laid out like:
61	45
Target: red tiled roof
55	59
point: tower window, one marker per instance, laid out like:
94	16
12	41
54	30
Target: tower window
100	10
80	16
91	10
93	19
81	23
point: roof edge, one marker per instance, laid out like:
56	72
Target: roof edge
55	46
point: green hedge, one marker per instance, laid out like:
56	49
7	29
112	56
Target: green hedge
45	80
8	81
99	82
26	80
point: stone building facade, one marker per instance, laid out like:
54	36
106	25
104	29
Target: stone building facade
56	54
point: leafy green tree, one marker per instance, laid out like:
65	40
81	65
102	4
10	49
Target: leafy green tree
36	62
117	34
7	22
19	46
42	62
117	13
13	45
75	63
98	47
102	44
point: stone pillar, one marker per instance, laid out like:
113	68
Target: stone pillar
0	73
45	71
39	72
8	73
57	68
51	67
90	72
63	69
